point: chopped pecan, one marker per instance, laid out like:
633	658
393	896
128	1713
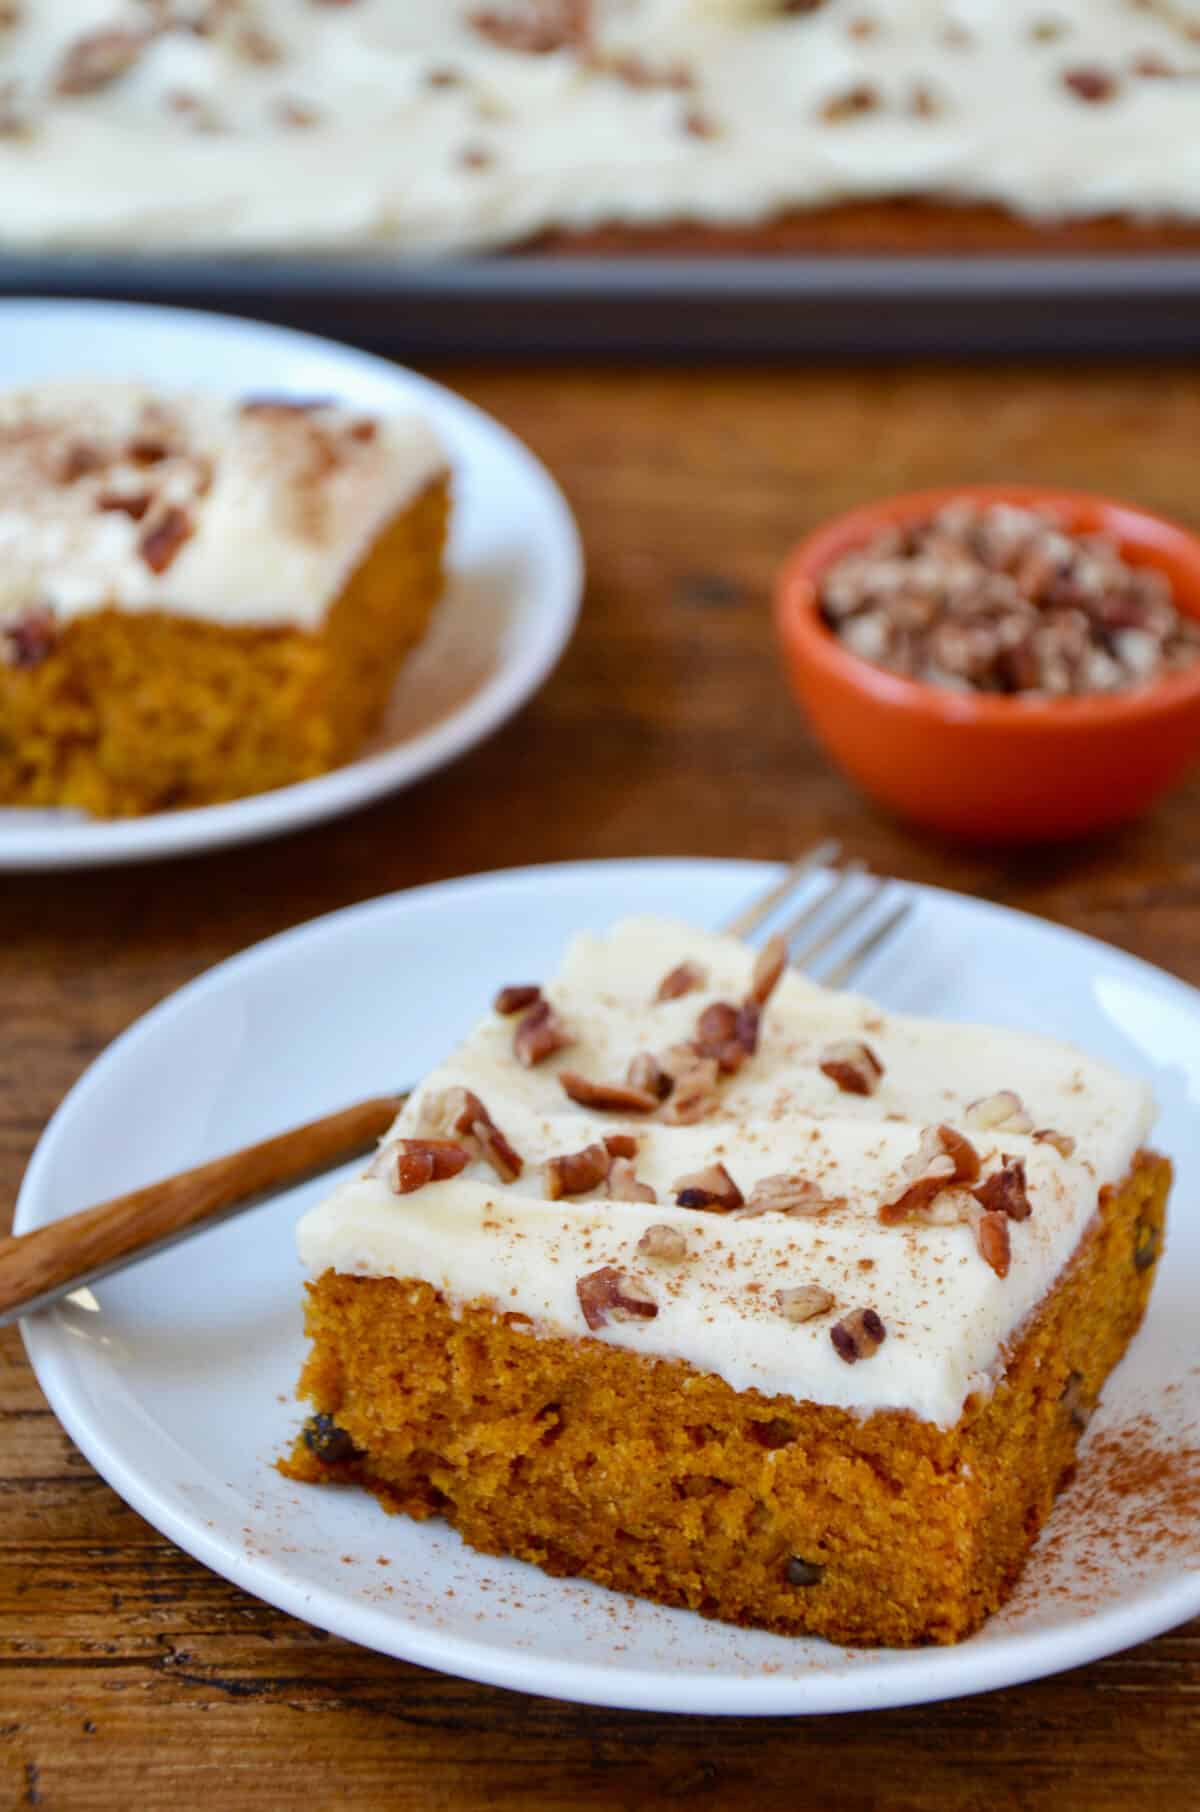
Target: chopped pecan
717	1036
853	1066
803	1302
29	639
576	1172
609	1295
130	503
1005	1191
647	1074
409	1164
621	1145
769	965
163	540
944	1159
1090	84
850	104
712	1187
76	460
98	59
667	1244
857	1335
536	28
516	997
798	1571
694	1095
624	1184
462	1112
789	1194
991	1236
606	1097
685	978
539	1035
748	1025
1062	1142
1001	1112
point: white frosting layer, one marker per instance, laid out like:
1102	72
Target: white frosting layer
947	1314
279	504
397	122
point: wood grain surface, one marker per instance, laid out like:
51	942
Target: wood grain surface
134	1677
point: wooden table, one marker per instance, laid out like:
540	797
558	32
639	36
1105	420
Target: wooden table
134	1677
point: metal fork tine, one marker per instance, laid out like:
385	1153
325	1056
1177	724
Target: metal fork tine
758	911
854	959
854	911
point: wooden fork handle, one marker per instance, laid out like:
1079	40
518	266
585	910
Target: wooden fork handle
50	1259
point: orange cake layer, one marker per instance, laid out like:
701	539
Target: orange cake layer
650	1476
132	711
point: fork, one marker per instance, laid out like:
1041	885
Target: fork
842	917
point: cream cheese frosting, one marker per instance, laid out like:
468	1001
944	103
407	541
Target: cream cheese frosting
234	511
948	1315
276	124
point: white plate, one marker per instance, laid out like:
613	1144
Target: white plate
177	1382
515	565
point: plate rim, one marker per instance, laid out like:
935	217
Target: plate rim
923	1676
366	778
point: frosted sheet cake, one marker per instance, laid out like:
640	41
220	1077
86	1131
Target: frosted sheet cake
691	1277
286	125
201	596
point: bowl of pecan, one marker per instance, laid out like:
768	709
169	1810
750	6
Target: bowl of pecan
999	662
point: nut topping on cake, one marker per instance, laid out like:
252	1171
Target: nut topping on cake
803	1302
666	1244
788	1194
1001	1112
624	1185
610	1295
98	59
1062	1142
853	1066
606	1097
576	1172
410	1164
991	1236
712	1188
647	1074
858	1335
163	540
694	1095
1005	1191
516	997
621	1145
539	1035
717	1036
685	978
464	1113
536	28
943	1160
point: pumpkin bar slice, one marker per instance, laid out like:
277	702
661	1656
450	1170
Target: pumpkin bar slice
696	1279
202	597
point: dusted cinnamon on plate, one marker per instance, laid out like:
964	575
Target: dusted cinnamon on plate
742	1295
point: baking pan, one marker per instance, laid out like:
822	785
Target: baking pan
530	306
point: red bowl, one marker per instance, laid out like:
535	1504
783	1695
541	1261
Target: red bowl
975	765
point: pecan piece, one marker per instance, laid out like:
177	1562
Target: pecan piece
769	965
606	1097
408	1164
1090	84
789	1194
647	1074
857	1335
621	1145
803	1302
747	1026
944	1159
667	1244
624	1184
1062	1142
463	1112
539	1034
853	1066
609	1295
516	997
801	1572
717	1036
1005	1191
685	978
712	1188
991	1236
1001	1112
162	542
694	1095
98	59
576	1171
